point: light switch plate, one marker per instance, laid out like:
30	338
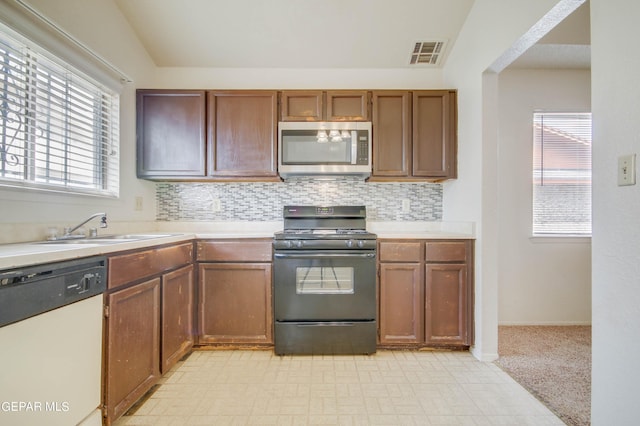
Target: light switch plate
627	170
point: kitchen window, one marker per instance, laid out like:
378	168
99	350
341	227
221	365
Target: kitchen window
562	174
59	129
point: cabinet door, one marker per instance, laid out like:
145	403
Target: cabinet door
401	307
434	134
301	105
347	105
391	133
177	316
242	133
170	133
446	305
132	345
235	303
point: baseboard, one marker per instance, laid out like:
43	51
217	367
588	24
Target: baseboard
542	323
484	357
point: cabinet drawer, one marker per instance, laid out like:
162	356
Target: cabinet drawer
446	251
234	251
131	267
396	251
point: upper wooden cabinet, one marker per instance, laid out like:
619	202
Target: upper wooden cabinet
231	135
215	135
414	135
317	105
392	133
434	134
170	133
302	105
343	105
241	128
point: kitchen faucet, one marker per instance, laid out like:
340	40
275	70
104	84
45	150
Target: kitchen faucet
69	231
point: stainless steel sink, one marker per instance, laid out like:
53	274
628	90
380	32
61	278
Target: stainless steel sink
89	241
107	239
131	236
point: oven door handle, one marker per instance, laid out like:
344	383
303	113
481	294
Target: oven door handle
327	324
315	255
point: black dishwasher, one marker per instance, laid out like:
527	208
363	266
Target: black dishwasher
32	290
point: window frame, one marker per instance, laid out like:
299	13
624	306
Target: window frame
559	235
98	146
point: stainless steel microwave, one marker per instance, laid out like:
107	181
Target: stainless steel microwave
327	149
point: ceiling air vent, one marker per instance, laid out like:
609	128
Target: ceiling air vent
427	53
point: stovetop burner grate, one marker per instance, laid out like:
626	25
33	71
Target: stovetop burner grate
324	227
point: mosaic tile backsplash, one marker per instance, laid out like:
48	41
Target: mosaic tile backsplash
264	201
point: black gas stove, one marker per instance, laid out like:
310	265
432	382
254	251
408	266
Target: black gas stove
324	283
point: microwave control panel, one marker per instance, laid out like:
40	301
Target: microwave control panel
363	147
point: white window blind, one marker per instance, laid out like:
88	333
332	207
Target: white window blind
562	174
59	130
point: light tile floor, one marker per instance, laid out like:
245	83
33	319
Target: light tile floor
388	388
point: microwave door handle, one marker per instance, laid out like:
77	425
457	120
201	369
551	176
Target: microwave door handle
354	147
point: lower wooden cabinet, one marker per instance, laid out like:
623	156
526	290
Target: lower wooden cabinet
235	301
426	293
177	316
148	322
132	346
401	310
446	294
234	292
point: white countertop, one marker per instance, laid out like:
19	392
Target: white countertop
423	230
23	254
31	253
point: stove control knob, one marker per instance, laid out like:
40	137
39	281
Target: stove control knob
361	243
299	244
349	243
287	244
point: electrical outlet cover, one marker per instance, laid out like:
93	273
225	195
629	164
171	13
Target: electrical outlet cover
627	170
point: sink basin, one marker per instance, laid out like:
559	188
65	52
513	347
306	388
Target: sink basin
93	241
131	236
107	239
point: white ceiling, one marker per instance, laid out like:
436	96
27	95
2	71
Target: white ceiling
298	33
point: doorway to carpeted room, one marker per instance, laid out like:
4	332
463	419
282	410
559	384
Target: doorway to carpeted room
554	364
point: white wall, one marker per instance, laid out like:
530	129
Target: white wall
280	78
541	280
615	99
99	25
494	32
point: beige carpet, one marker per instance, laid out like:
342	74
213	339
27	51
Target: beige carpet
554	364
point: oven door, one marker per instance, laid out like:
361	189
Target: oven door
325	285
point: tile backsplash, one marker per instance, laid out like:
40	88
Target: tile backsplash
263	201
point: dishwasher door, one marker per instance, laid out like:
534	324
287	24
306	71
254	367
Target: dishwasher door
51	343
51	367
